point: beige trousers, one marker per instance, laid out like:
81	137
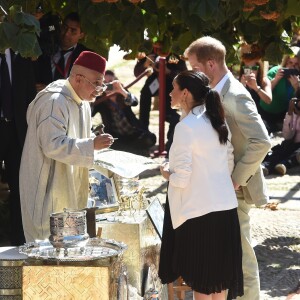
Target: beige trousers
249	263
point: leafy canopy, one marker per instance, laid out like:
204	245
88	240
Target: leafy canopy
171	24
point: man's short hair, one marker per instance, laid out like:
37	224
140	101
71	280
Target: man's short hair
73	16
206	48
110	73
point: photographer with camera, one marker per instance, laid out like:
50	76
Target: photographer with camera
119	120
252	74
284	81
283	156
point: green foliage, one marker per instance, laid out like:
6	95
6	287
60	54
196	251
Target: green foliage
19	31
292	8
172	23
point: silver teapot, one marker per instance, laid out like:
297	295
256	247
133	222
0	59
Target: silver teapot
68	229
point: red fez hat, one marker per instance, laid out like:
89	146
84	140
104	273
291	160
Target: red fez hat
92	61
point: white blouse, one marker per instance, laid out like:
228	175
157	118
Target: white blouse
200	180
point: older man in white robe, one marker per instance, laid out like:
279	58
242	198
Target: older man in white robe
59	146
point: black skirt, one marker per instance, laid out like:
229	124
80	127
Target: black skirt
205	251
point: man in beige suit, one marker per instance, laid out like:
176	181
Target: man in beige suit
250	142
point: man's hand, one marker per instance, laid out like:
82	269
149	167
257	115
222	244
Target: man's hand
39	87
103	141
164	170
236	186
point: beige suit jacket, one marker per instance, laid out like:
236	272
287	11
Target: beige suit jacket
250	140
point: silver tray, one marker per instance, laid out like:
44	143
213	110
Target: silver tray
95	249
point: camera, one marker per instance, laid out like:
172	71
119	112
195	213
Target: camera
296	102
110	86
247	71
288	72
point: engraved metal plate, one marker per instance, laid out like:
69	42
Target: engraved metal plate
95	249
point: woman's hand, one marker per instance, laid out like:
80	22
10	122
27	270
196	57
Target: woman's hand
279	75
243	80
251	82
291	106
117	88
293	79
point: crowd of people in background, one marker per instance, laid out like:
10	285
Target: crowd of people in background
57	95
275	92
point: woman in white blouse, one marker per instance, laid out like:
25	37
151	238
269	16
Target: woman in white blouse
201	238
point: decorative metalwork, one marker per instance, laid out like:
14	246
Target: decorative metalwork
131	197
95	249
11	263
68	229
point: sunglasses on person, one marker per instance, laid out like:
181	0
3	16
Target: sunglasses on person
253	68
99	88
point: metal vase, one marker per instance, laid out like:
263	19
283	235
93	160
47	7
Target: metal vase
68	229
